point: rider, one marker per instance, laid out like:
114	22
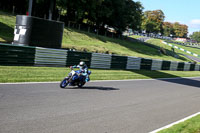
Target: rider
84	70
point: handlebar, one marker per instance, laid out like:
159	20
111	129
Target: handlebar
71	67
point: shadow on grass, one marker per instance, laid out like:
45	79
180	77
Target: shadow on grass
160	75
136	46
131	44
94	88
6	32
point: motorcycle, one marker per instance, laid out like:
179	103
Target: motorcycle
74	78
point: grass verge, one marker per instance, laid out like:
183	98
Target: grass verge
189	126
41	74
136	36
7	24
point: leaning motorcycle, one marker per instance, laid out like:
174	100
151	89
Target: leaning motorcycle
74	78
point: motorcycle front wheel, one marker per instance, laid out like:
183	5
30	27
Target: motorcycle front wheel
64	83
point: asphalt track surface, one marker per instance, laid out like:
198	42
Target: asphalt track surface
192	58
138	106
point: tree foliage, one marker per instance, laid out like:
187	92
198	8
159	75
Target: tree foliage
153	21
118	14
196	36
180	30
14	5
168	29
175	29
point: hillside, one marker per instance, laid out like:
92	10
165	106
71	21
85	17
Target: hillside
160	44
84	41
7	24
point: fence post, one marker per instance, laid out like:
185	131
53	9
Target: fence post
79	27
13	11
69	24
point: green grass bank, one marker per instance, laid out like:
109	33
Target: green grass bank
42	74
189	126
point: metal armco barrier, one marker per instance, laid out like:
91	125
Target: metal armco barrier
166	65
38	56
133	63
50	57
192	67
101	61
181	66
146	64
118	62
186	67
156	65
173	65
197	68
16	55
74	57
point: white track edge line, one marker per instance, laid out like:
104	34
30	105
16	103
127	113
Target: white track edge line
174	123
100	80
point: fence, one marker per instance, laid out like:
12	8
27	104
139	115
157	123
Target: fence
169	39
17	55
37	56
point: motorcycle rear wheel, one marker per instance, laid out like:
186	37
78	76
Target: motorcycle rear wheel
80	84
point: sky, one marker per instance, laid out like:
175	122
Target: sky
182	11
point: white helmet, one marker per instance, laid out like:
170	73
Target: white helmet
82	63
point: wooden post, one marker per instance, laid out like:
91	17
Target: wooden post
13	12
69	24
79	27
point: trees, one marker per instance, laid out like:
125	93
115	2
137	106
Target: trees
167	29
196	36
15	6
135	18
180	30
118	14
175	29
123	14
153	21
